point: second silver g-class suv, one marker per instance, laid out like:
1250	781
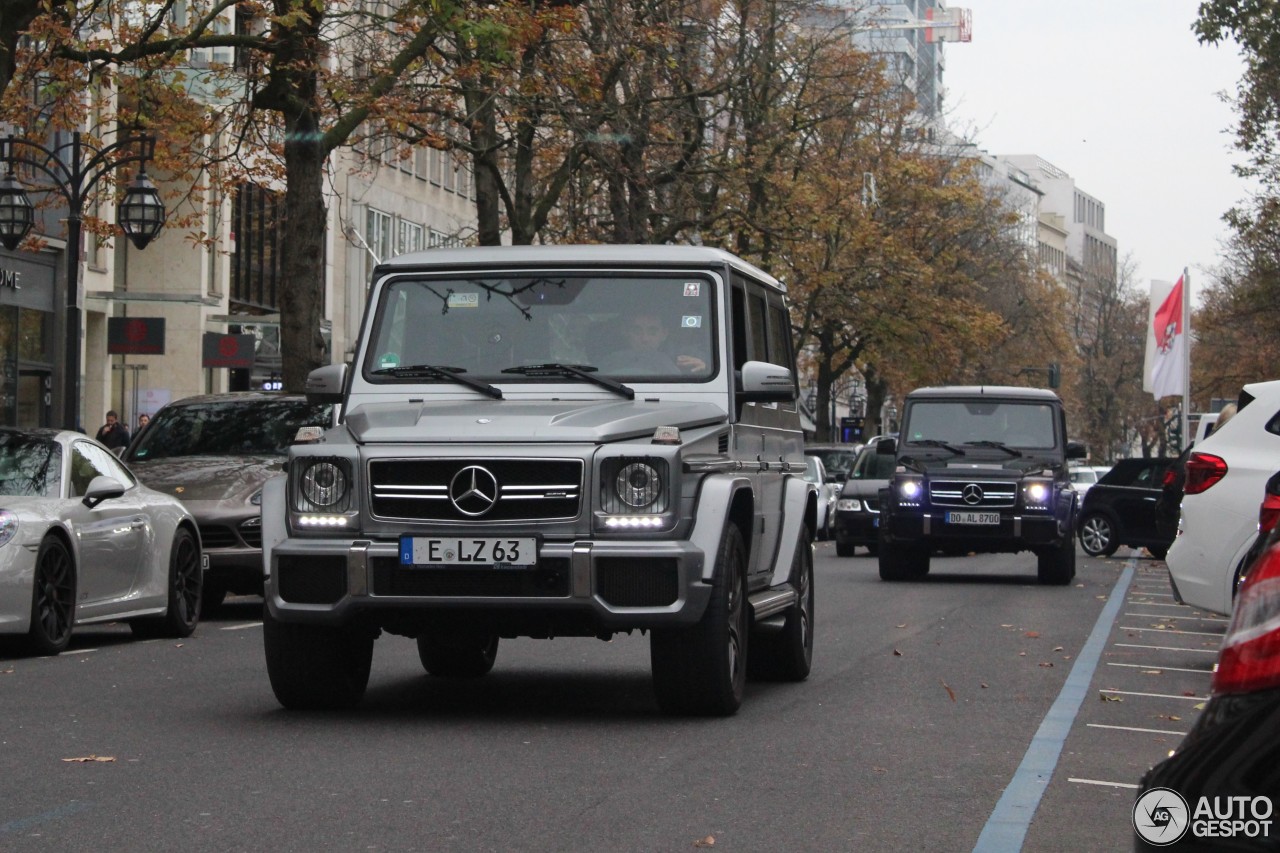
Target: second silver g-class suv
543	442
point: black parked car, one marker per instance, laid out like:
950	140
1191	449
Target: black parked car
857	519
1120	509
1231	756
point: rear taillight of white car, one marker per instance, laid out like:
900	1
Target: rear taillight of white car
1269	512
1203	470
1250	657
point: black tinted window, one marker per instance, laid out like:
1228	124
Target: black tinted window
227	427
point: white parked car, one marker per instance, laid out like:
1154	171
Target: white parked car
1226	480
1084	476
828	493
82	541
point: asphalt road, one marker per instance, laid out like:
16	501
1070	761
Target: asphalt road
926	725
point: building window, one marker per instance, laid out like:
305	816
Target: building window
257	224
410	237
378	233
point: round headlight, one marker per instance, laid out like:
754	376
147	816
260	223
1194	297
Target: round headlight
910	489
1038	492
638	484
8	526
323	484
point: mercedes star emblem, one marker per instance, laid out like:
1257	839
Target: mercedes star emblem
972	494
473	491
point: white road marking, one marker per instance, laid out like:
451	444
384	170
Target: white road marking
1131	729
1102	783
1154	695
1172	631
240	627
1161	668
1168	648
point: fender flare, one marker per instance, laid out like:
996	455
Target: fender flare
716	497
799	492
274	530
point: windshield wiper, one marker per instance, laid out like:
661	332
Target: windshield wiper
996	444
937	442
581	371
436	371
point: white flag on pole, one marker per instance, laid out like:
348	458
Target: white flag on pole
1167	342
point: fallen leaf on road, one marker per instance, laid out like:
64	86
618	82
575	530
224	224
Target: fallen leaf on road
89	758
1046	664
1057	648
1152	672
897	653
709	841
1032	634
1022	654
983	685
1188	693
1105	698
903	625
1006	626
950	692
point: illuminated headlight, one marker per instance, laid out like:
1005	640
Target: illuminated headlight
1037	493
322	486
634	487
910	491
322	521
256	500
8	526
634	522
848	505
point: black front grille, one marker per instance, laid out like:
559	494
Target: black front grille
310	579
549	580
637	581
523	489
973	494
219	536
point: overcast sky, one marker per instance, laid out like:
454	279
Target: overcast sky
1119	95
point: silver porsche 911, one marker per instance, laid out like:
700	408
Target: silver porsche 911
83	542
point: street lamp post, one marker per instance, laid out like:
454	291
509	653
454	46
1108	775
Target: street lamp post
74	168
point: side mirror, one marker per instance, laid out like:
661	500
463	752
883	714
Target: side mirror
1077	450
886	447
766	383
102	488
325	384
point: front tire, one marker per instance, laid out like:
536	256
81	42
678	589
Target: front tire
1057	566
464	655
182	610
314	667
1098	535
787	655
53	599
702	669
845	549
903	562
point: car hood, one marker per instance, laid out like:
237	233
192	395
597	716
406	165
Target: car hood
862	488
208	478
977	464
590	421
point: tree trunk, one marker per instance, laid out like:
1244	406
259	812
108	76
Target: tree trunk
302	295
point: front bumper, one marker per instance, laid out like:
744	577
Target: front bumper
857	528
1015	532
578	587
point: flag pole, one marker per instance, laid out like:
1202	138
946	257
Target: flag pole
1186	355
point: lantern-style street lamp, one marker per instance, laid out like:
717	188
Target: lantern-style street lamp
73	169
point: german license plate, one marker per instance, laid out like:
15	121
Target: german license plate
468	551
973	518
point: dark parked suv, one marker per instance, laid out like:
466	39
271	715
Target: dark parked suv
980	469
1120	509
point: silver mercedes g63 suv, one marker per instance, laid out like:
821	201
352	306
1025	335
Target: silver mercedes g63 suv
544	442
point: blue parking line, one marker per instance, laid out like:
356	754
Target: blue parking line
1007	826
71	808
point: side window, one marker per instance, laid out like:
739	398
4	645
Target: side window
779	334
758	328
86	463
741	347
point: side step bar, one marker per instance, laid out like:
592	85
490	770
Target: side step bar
770	602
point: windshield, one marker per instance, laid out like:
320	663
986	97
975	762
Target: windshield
236	427
957	423
29	466
872	465
656	328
